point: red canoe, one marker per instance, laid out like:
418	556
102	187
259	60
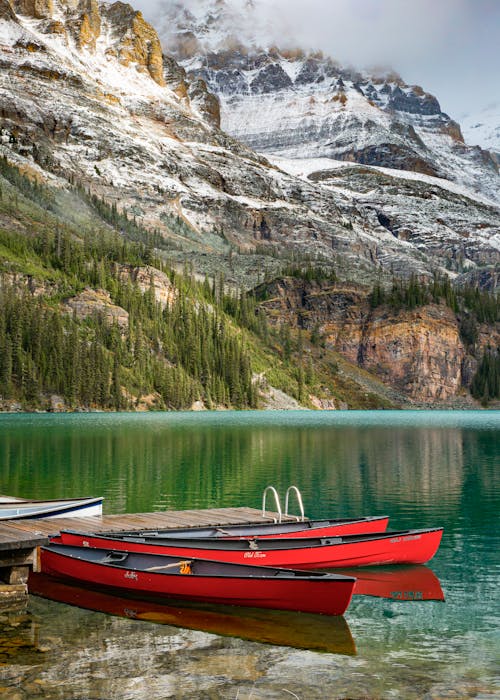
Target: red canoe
201	580
305	528
405	547
401	583
278	627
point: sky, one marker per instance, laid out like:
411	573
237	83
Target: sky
449	47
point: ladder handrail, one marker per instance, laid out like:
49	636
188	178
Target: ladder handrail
295	490
277	501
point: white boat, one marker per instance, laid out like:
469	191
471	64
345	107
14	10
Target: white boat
20	508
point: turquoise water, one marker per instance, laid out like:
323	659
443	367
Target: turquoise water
421	468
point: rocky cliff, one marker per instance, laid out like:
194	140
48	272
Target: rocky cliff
420	352
96	303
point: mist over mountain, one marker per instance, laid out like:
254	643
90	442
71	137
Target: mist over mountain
449	46
297	103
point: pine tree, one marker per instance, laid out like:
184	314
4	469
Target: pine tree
116	389
486	382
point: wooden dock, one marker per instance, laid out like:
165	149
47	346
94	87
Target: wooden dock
18	554
20	539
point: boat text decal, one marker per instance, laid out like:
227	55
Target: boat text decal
407	595
394	540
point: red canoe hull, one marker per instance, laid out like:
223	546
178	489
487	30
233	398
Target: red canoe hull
416	547
323	596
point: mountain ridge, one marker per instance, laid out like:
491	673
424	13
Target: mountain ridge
110	131
294	104
155	148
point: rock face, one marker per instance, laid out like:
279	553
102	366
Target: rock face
148	278
418	352
135	40
6	11
39	9
97	303
204	101
419	213
87	24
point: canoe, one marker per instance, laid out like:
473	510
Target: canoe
278	627
404	584
403	547
306	528
11	509
201	580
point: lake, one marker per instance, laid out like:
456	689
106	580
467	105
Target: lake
423	468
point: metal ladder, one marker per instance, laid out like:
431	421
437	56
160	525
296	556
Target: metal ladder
290	489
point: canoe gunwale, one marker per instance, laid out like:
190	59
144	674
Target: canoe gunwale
256	572
244	544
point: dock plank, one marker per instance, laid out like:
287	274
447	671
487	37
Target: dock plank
14	538
32	533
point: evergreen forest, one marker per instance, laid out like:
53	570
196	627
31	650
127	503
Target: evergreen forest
208	344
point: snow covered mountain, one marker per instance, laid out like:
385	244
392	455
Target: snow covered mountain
483	128
289	103
88	100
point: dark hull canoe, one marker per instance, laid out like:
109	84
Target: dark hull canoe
278	627
201	580
404	547
21	509
306	528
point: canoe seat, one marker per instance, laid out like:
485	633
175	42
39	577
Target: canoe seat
115	557
185	567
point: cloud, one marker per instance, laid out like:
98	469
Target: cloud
149	8
448	46
371	31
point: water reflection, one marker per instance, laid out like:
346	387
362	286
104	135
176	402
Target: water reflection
399	583
18	634
424	469
282	628
298	630
142	464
